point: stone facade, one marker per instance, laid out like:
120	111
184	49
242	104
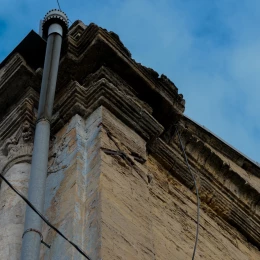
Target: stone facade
117	183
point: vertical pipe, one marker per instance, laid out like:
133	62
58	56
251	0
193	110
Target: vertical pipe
36	192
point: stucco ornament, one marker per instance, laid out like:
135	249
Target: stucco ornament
18	147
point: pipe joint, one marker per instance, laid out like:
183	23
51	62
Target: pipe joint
43	119
55	28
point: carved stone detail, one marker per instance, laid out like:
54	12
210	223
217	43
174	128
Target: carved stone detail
16	133
85	99
20	145
221	188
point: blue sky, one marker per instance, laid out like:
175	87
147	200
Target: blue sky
209	49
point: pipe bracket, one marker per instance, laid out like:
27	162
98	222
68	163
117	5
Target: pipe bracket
43	119
40	234
55	28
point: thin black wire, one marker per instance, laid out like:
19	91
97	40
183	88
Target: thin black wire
61	10
58	4
42	217
197	193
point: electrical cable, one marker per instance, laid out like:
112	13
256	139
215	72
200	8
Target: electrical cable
58	4
61	10
43	218
193	177
197	193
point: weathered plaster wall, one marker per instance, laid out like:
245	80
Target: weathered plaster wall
12	211
77	175
173	220
103	197
153	217
126	226
72	190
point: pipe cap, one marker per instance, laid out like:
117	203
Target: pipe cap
55	16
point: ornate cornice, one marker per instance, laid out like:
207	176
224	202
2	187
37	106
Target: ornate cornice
86	50
95	47
17	131
225	190
226	150
97	91
16	78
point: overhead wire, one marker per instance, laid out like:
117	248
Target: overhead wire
43	218
58	4
194	180
61	10
197	194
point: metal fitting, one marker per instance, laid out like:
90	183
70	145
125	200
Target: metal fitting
55	28
38	232
55	17
43	119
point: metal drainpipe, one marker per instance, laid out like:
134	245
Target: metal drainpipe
55	24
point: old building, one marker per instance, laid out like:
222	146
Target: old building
118	184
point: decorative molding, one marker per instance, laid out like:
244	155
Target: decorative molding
96	48
17	132
203	134
100	91
16	78
221	188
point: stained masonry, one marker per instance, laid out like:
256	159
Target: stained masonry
117	182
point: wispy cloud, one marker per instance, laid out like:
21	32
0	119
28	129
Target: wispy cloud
210	49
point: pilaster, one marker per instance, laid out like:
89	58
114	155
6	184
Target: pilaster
83	185
16	135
